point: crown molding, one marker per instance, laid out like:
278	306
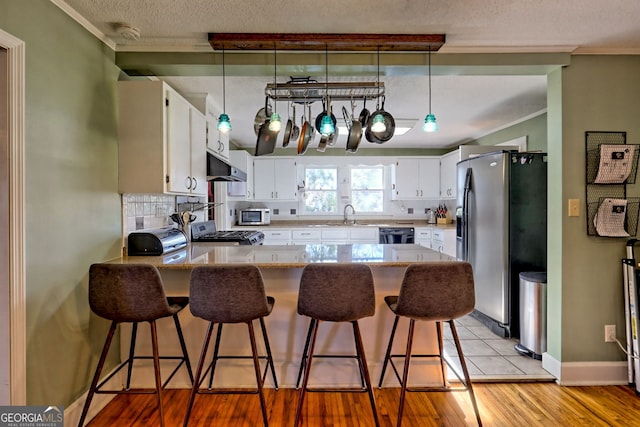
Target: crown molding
508	49
84	23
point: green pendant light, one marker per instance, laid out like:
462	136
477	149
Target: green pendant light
378	124
430	124
274	121
327	127
224	123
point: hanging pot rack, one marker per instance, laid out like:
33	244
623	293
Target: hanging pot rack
307	90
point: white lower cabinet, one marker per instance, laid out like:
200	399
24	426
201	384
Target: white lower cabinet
346	235
305	236
335	235
444	240
407	253
423	236
279	236
363	235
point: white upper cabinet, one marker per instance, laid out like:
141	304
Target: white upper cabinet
448	174
198	153
241	190
417	178
162	141
275	179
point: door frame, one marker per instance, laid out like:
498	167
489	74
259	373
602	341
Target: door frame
17	268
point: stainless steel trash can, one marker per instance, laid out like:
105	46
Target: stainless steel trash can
533	314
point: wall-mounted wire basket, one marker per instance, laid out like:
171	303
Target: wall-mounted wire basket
613	217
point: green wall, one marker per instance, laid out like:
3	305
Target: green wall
555	247
598	93
72	203
535	129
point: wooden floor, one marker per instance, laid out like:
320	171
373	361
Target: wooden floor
501	404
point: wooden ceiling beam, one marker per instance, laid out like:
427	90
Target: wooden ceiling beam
332	42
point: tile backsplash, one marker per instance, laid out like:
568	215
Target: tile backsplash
141	211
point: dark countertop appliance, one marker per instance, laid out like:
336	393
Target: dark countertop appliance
397	235
158	241
205	231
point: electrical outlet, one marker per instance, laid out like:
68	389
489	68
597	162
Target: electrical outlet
609	333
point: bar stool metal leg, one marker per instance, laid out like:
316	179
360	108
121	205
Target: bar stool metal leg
364	369
183	346
305	355
441	353
405	373
387	355
132	348
214	361
256	364
198	380
303	362
269	356
305	379
96	376
156	369
465	371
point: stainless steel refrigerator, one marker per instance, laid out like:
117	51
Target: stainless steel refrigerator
501	226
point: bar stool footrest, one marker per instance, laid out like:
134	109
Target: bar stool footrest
464	386
126	362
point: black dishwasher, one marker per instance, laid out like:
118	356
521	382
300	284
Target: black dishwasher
396	235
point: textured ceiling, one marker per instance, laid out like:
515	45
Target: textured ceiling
466	104
587	24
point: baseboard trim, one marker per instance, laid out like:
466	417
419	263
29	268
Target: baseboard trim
100	401
586	373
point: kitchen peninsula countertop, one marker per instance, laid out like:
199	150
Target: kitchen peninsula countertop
340	223
289	256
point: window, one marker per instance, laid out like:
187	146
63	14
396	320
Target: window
367	188
321	192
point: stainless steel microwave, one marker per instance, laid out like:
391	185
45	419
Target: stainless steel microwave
254	216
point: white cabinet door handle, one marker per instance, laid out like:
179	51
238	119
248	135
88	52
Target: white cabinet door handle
195	183
187	182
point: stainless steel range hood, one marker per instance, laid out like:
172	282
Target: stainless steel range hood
219	170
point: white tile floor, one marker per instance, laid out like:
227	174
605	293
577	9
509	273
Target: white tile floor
490	357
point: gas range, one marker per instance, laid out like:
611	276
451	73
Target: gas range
205	231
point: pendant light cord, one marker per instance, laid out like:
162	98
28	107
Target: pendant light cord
429	79
275	78
378	81
326	73
224	95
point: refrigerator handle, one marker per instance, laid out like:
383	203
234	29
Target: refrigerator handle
465	215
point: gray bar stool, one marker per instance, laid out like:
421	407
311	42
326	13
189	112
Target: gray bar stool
230	294
133	293
440	292
336	293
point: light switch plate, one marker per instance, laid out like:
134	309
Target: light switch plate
574	207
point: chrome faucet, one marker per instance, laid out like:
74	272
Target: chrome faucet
349	205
